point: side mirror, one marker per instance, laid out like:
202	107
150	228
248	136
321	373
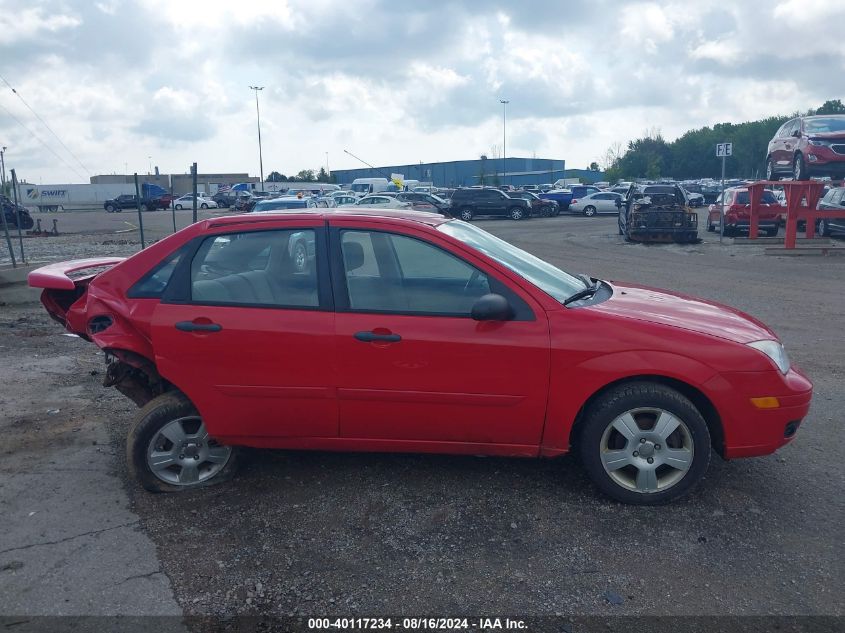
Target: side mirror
491	307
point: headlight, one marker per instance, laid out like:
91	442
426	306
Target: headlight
775	351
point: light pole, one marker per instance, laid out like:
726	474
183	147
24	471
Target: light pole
328	173
504	103
150	170
258	115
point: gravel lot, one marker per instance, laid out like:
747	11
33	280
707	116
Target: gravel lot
363	534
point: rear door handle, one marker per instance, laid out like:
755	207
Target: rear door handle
372	337
190	326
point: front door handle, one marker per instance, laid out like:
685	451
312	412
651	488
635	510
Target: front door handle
190	326
372	337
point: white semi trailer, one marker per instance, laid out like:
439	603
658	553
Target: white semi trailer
69	197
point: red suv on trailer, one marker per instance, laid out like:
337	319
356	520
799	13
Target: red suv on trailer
808	146
409	332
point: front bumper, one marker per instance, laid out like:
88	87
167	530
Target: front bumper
750	431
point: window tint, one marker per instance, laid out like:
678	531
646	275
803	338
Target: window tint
152	285
262	268
393	273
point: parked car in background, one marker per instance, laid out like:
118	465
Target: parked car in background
187	202
539	207
224	200
382	201
405	331
657	213
596	203
130	201
834	200
738	212
12	212
470	202
546	186
426	202
563	197
808	146
345	200
531	188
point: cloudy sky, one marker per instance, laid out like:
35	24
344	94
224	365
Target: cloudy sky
391	81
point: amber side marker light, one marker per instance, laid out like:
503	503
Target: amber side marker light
769	402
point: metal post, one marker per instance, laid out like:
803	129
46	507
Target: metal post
18	213
258	116
504	103
140	217
722	212
8	239
194	178
172	205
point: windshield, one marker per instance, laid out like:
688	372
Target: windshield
546	277
272	205
361	188
824	124
768	197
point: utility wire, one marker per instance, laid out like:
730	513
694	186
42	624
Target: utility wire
45	124
37	138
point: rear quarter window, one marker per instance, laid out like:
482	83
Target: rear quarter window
153	284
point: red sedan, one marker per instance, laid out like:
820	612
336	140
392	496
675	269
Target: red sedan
377	330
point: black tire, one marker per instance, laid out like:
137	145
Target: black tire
589	210
179	207
144	207
516	213
466	214
728	231
110	208
772	232
711	227
799	167
770	170
145	427
203	206
640	396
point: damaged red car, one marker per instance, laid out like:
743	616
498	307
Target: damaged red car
378	330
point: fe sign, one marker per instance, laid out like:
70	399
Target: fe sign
724	149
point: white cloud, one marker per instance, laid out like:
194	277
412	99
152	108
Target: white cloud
17	26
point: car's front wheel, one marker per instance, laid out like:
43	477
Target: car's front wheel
110	208
169	449
644	443
179	206
144	207
799	168
203	206
770	170
589	211
466	214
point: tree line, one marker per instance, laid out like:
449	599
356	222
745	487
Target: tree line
303	175
693	155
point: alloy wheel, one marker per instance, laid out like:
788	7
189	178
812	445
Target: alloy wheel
182	453
647	450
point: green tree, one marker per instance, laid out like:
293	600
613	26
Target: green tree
275	176
594	166
322	175
832	106
305	175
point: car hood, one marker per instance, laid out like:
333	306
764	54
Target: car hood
683	311
830	136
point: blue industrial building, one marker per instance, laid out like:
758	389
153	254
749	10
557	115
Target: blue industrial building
463	173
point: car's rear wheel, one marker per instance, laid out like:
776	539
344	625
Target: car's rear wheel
799	168
589	211
144	207
644	443
203	206
110	208
516	213
178	206
466	214
168	448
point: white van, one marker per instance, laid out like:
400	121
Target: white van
364	186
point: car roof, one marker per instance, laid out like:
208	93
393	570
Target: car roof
339	213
